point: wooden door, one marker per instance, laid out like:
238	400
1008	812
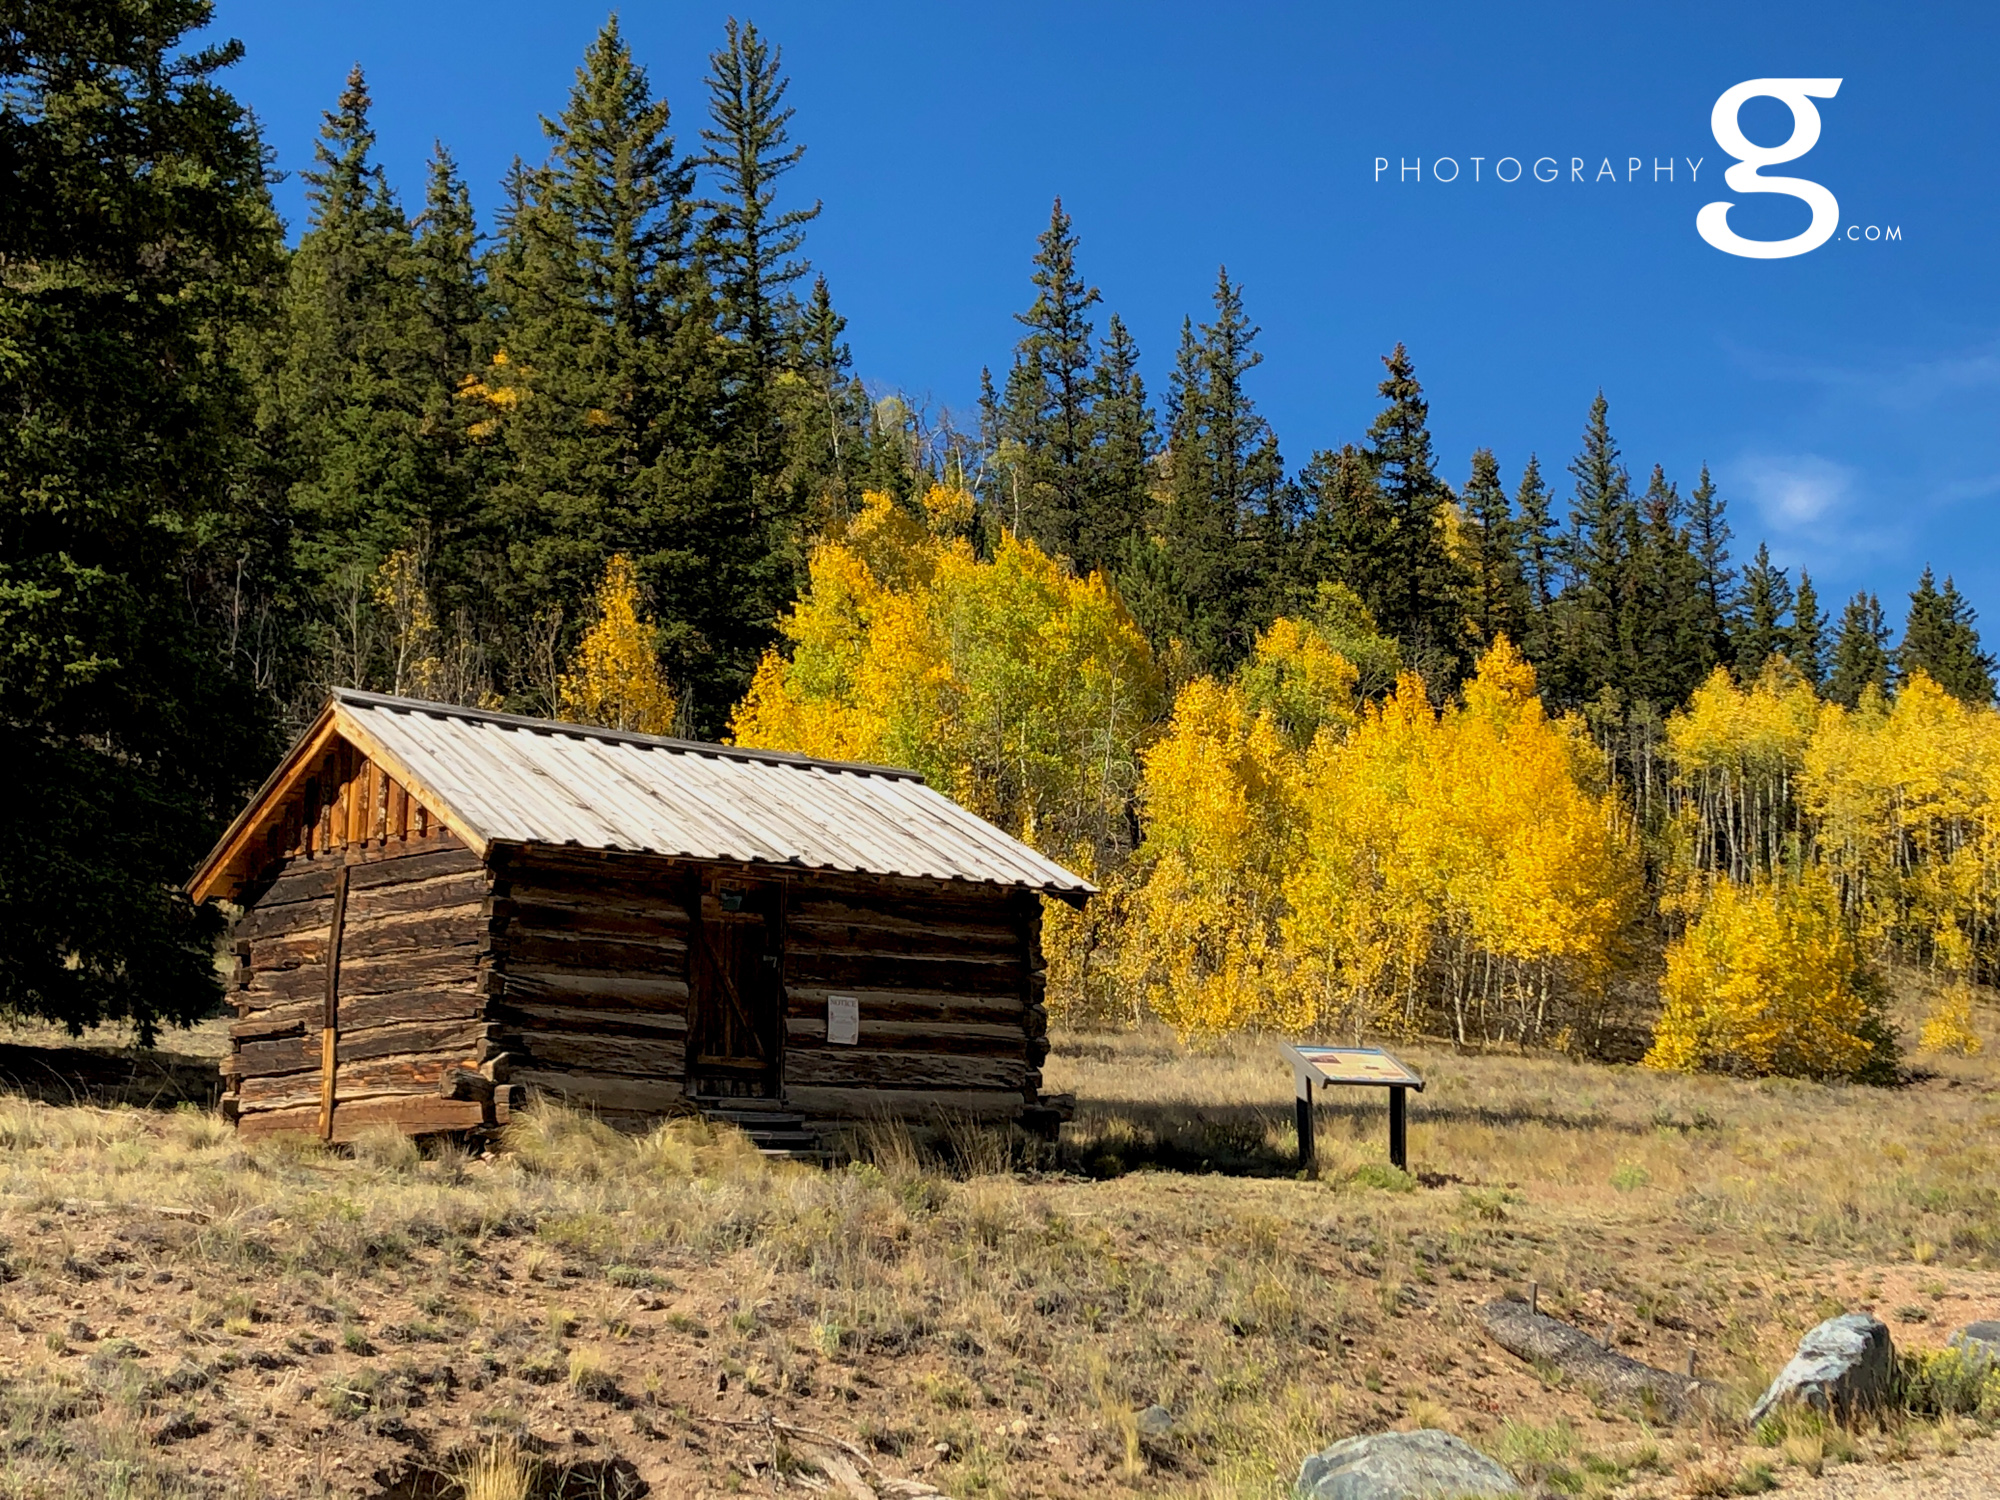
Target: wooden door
736	1015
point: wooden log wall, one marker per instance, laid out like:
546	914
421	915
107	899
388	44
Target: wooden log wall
590	987
409	1003
590	999
948	980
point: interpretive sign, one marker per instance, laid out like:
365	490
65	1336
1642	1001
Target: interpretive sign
1361	1066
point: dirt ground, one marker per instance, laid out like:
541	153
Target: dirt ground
182	1316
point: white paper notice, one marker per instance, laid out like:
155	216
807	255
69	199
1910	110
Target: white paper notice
843	1020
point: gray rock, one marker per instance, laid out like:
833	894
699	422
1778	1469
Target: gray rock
1844	1367
1422	1465
1978	1343
1154	1422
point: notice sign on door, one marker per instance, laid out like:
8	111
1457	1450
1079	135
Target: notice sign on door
843	1020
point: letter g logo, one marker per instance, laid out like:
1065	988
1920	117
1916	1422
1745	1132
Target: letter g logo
1798	94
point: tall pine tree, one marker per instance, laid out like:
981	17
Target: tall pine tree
1044	458
1125	434
1597	558
1861	655
1421	605
1709	535
1225	479
1761	628
139	244
621	409
749	148
1497	597
1941	640
1805	642
1541	563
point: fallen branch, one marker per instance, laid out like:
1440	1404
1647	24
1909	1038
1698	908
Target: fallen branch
1539	1338
809	1434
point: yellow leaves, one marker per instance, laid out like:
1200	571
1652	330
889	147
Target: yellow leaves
416	667
1762	729
1400	859
500	392
1948	1028
1903	802
1473	847
1768	979
615	679
1017	689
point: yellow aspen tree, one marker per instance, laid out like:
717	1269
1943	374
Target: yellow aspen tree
1769	979
614	679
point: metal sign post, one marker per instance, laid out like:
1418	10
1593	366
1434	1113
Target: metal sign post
1355	1066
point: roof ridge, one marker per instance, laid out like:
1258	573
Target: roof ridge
361	698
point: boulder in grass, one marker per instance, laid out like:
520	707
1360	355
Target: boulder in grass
1978	1344
1845	1367
1422	1465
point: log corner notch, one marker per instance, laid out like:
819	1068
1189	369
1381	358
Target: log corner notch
498	1102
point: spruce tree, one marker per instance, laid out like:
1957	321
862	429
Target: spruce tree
1422	588
1709	535
350	388
1498	593
1344	535
140	248
1861	655
1597	559
1125	435
1941	640
1805	642
622	410
1045	459
1665	640
1225	479
1761	629
1540	562
748	150
825	412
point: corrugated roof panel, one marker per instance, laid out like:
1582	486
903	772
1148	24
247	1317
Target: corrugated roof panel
534	781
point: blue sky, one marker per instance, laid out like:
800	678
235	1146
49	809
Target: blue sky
1845	398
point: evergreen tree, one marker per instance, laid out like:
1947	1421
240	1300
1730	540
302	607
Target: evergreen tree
1805	643
452	338
1345	532
1766	600
1861	655
1540	565
1224	477
826	415
139	244
1597	560
1045	430
1709	535
1498	595
1421	591
1665	640
1126	435
349	387
1941	640
749	149
621	411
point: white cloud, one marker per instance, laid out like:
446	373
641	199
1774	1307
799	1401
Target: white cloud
1795	492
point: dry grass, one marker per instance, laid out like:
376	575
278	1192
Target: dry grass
182	1315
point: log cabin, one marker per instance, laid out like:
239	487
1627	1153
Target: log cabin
445	912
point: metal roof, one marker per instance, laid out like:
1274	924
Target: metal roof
504	778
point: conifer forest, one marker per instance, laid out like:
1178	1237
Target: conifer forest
1373	741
